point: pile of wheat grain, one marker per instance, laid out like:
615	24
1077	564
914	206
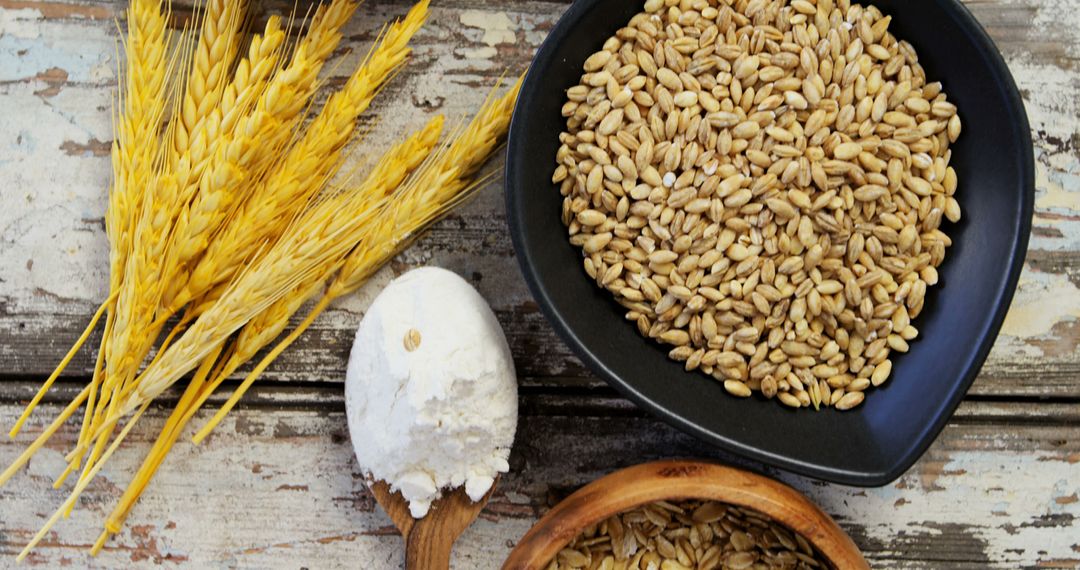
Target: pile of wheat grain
229	218
761	184
688	535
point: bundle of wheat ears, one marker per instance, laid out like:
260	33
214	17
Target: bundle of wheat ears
234	213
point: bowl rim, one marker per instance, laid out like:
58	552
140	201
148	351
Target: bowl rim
1017	120
678	480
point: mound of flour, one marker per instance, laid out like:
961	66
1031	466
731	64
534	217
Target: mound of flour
431	393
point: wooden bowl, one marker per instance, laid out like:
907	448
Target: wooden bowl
674	480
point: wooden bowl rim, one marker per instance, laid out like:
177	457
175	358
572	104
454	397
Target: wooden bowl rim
676	479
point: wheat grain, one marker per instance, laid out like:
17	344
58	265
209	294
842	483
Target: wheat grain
206	79
770	210
705	535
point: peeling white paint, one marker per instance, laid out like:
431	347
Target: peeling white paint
484	52
30	45
1042	300
22	23
498	29
1053	109
53	242
104	70
1054	195
982	493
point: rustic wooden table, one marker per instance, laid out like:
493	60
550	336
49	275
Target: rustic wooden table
277	485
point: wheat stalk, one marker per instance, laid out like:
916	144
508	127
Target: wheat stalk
209	103
263	117
386	176
442	183
313	159
135	146
324	32
432	191
45	435
81	486
168	436
233	161
317	238
250	146
150	266
270	323
143	104
135	155
313	243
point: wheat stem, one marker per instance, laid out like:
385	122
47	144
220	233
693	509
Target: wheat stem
59	368
258	370
95	380
168	436
83	483
44	436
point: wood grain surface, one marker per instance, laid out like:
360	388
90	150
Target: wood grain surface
277	486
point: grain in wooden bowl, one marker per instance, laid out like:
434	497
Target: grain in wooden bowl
761	185
676	514
688	535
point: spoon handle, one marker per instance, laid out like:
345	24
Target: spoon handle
428	546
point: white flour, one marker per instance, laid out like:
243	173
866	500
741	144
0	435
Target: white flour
439	416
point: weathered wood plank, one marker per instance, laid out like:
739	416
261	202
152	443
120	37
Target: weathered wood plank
58	70
279	487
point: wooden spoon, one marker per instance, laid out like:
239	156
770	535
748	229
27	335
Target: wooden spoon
429	541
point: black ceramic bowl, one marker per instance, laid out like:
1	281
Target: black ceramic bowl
875	443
